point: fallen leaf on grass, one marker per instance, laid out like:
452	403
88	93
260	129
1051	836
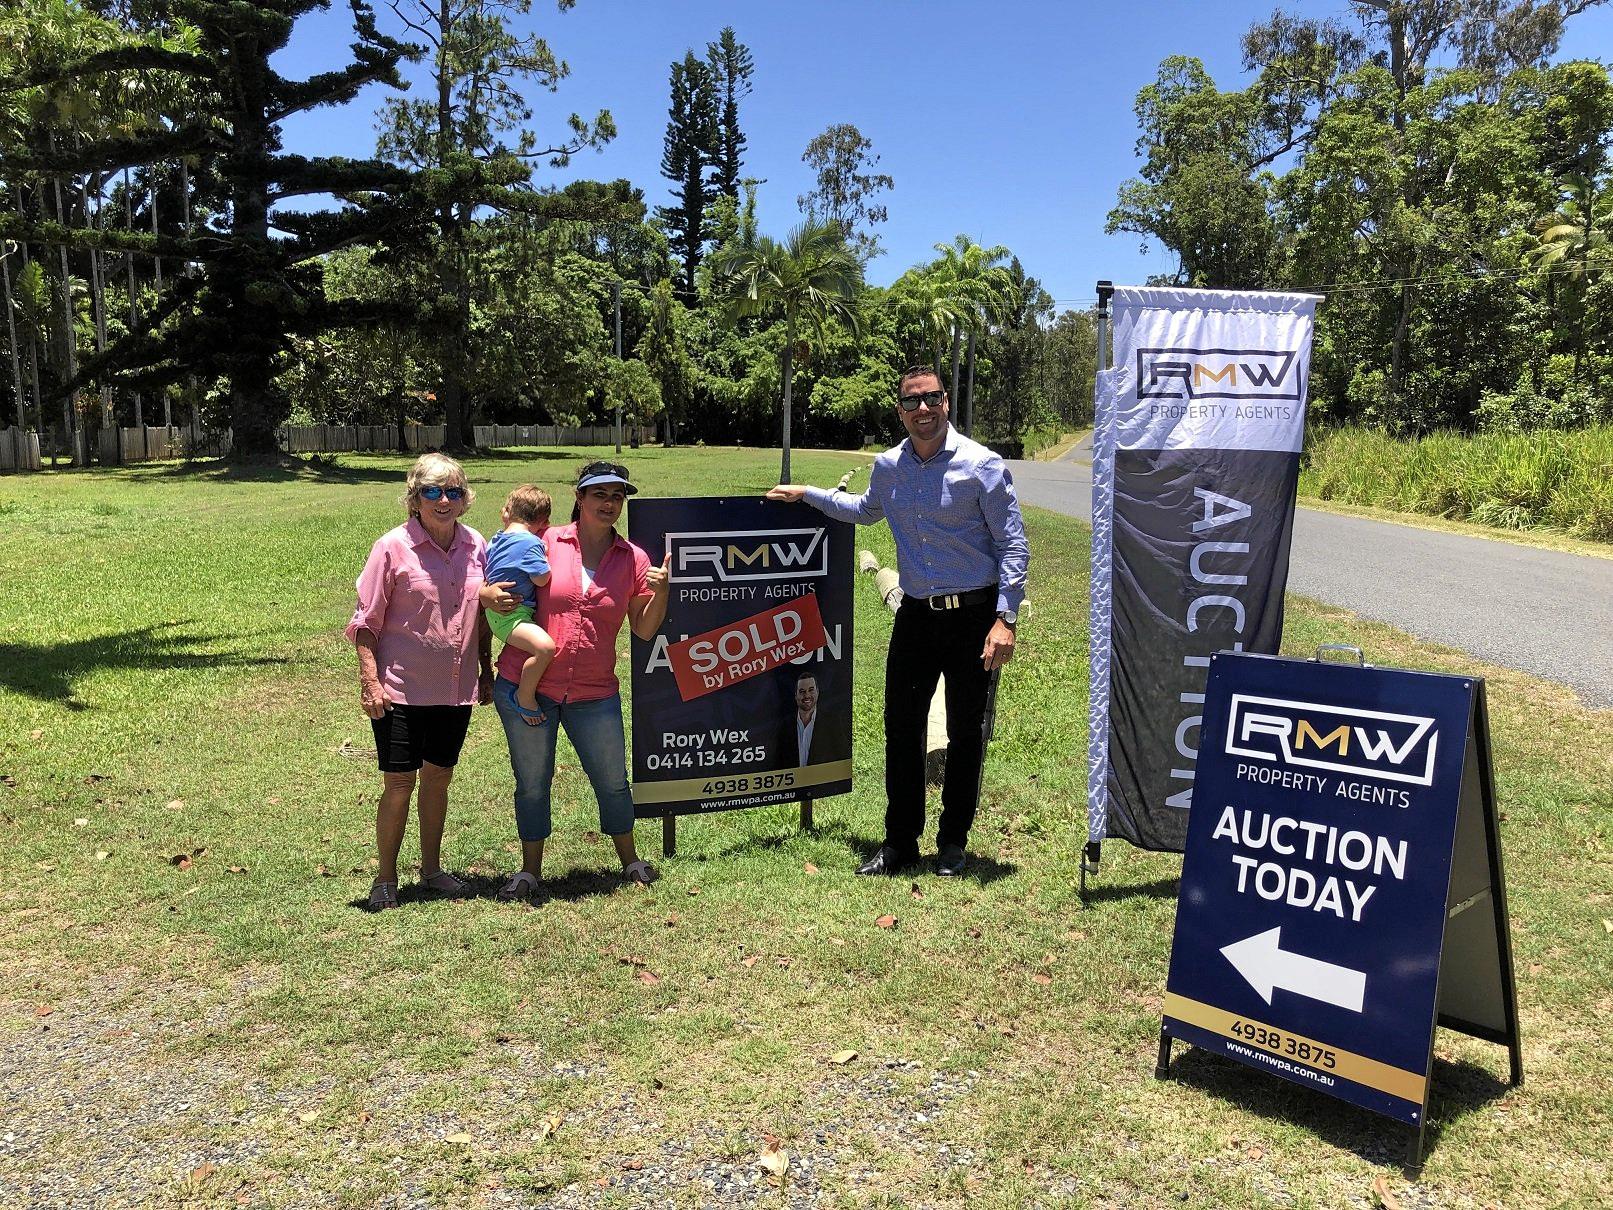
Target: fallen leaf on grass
548	1126
182	861
775	1163
632	1165
101	854
307	1116
363	1116
273	802
810	868
1380	1190
81	822
886	922
1607	925
672	921
1535	968
974	933
8	781
36	733
460	1137
43	1010
1042	977
47	866
238	869
323	871
837	941
747	963
915	891
1254	1153
203	1172
176	804
648	977
694	890
841	1057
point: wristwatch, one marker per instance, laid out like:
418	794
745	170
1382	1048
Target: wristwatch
1008	617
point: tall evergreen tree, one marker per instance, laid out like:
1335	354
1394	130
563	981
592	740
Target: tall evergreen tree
257	289
686	161
731	66
472	133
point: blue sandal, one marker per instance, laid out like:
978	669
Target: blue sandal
532	718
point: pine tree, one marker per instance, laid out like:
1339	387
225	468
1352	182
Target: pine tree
729	61
257	289
686	161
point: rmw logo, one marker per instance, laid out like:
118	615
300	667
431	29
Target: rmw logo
1368	743
1244	374
748	556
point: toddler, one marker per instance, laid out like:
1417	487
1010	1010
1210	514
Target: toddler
517	553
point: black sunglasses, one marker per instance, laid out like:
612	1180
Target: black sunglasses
434	493
603	468
910	403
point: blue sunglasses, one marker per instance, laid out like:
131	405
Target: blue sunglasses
435	493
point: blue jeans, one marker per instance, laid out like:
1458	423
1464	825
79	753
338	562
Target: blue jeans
595	731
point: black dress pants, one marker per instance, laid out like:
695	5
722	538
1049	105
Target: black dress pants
926	644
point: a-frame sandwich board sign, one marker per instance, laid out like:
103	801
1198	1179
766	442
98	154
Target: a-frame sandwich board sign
1342	890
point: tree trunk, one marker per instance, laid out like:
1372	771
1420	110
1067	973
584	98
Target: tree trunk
957	353
11	327
134	307
69	337
789	370
156	270
969	429
256	405
98	301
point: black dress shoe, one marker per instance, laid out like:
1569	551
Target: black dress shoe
951	861
885	860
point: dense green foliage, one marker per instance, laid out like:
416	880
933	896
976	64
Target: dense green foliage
446	283
1543	479
1434	175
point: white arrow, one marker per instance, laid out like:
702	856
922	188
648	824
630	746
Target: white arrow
1263	962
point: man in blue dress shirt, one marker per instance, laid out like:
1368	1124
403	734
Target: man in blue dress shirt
962	556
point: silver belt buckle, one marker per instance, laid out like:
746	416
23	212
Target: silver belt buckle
947	602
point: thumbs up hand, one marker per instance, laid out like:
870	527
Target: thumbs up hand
660	578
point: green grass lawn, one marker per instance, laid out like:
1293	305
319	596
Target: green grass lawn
196	1010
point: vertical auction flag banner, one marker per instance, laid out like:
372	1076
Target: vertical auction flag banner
1195	463
1342	889
743	698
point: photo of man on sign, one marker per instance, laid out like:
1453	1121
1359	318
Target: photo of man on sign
808	737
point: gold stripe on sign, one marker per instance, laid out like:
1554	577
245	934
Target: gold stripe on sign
1396	1081
691	788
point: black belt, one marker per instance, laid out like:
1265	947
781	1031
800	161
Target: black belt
958	600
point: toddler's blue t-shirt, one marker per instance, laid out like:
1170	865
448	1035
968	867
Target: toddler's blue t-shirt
517	555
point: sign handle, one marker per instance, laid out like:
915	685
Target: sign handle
1344	649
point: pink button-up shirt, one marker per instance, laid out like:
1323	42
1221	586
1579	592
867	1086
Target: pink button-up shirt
419	601
582	621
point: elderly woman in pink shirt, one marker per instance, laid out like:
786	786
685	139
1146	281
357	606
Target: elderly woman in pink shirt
424	658
599	581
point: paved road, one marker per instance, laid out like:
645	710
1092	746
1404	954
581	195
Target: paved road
1537	610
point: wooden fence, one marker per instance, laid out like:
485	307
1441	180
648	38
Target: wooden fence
116	446
19	451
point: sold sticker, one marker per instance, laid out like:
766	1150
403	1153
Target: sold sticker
749	647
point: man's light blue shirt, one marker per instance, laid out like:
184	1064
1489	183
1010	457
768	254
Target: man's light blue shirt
955	518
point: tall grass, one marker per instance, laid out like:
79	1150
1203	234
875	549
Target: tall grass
1555	479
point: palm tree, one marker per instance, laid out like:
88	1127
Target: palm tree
1575	243
811	276
980	288
924	303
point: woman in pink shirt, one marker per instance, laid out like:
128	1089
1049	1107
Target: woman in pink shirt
424	657
599	580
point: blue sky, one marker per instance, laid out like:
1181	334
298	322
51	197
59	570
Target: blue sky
1009	121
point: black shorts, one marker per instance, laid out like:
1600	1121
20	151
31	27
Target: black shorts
407	735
